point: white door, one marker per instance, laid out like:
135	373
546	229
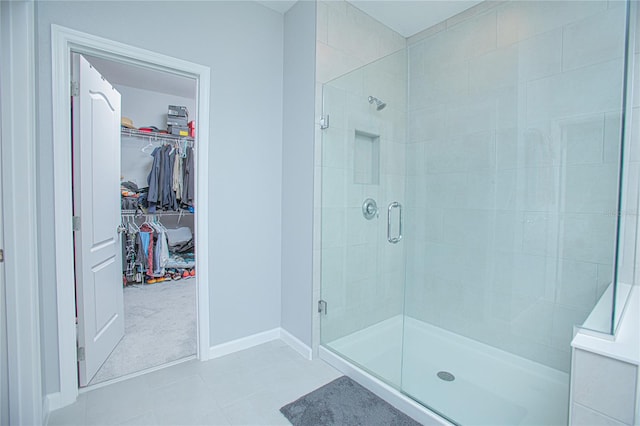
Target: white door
96	198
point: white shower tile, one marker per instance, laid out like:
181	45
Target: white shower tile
481	189
584	139
604	384
564	320
360	262
508	231
334	148
539	146
577	284
322	22
333	187
473	115
393	158
521	20
535	323
472	38
538	233
540	188
506	189
581	415
415	159
591	188
332	63
507	148
354	32
587	90
461	153
596	39
540	56
612	138
333	103
493	70
359	230
333	227
471	228
520	274
427	123
447	190
333	268
439	83
589	237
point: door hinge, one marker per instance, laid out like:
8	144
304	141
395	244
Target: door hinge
1	255
322	307
76	223
75	89
324	122
81	354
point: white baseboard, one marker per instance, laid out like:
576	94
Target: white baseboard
296	344
243	343
258	339
53	401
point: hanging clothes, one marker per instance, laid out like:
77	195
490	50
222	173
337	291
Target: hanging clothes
153	196
188	190
177	176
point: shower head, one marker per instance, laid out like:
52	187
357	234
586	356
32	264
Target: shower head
379	104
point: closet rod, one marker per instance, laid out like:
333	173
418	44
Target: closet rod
137	213
154	136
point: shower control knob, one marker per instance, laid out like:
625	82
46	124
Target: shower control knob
369	209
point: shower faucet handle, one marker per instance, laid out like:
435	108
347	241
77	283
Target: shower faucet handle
369	209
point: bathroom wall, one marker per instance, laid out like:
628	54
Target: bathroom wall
242	44
514	129
362	280
297	171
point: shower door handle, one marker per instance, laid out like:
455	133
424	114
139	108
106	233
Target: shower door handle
394	240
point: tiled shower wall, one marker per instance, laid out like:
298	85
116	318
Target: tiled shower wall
355	281
514	128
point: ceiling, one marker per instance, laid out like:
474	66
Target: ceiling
144	78
410	17
407	17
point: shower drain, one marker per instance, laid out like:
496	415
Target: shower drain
446	376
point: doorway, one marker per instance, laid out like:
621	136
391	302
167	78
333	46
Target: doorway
156	319
64	42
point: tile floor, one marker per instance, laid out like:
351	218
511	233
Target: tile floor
245	388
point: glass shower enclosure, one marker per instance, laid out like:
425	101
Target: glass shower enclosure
470	185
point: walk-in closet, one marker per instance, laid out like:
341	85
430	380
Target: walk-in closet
157	230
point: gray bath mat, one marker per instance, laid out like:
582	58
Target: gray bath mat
344	402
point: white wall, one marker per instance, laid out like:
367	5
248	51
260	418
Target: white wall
242	43
297	170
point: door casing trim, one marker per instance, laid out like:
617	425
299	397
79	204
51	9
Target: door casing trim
63	42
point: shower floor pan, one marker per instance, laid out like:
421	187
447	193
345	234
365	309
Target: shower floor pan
489	386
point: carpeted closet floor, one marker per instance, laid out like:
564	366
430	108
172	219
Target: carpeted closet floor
160	327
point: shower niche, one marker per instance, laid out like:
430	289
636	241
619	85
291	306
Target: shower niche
366	158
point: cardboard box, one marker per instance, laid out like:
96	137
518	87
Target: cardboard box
176	121
178	130
178	111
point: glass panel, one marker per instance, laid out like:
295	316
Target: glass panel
363	158
512	182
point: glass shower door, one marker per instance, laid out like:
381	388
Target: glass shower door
362	272
514	200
